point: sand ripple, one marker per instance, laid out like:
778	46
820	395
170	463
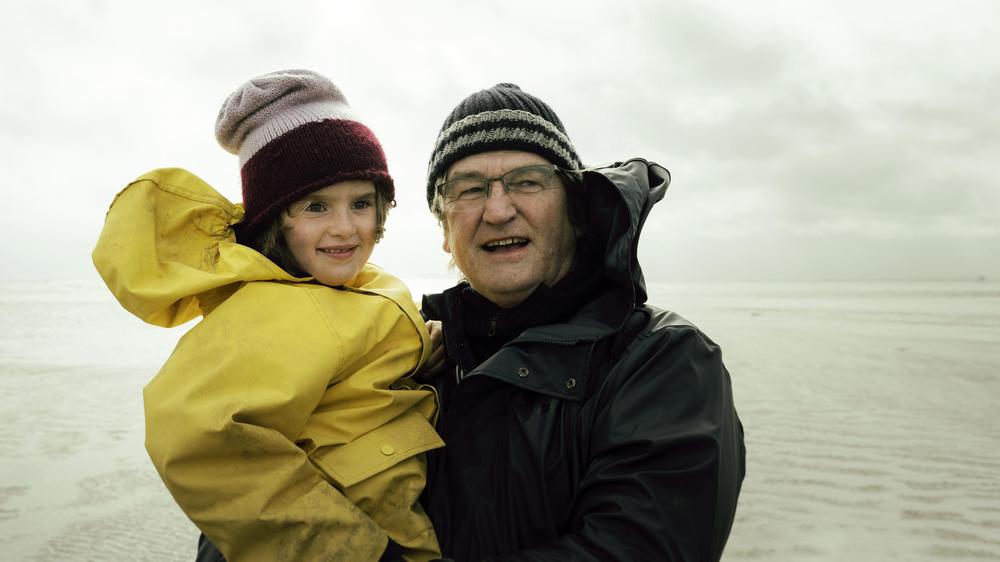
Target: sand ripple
870	437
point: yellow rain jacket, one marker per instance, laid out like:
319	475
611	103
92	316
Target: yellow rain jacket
284	423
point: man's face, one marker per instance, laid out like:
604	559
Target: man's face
510	247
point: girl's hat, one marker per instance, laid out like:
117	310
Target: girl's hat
295	133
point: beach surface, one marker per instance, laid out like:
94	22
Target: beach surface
869	410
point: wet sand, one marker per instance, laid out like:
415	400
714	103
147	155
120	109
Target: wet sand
75	482
869	411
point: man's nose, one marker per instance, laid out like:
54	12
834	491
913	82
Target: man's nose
498	207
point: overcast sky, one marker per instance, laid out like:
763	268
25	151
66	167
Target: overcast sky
807	140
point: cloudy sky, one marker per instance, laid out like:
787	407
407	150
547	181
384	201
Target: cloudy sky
807	140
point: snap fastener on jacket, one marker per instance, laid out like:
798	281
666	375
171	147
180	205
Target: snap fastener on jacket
522	372
387	450
571	383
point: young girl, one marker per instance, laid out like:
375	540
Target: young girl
285	423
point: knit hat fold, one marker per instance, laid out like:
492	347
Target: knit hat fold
295	133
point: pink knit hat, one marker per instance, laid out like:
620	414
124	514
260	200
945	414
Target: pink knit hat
295	133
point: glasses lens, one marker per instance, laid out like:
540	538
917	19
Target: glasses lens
464	193
529	179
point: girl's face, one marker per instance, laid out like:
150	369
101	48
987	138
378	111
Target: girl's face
332	231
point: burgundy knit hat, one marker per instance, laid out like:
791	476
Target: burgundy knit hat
295	133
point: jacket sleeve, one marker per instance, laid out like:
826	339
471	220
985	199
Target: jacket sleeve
222	417
666	461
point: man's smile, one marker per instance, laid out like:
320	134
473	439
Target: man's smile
505	244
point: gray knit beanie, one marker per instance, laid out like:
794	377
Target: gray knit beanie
295	133
503	117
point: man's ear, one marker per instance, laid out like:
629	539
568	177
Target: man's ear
445	245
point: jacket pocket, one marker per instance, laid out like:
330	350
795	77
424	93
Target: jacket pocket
379	449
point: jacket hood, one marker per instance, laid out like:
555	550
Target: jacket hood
617	200
168	251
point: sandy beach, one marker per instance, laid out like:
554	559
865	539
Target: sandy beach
869	413
869	408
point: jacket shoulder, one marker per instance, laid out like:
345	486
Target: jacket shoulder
666	324
357	318
303	304
267	311
668	353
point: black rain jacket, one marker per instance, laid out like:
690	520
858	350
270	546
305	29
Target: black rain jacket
611	437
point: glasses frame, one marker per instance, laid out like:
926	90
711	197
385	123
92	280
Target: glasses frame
440	188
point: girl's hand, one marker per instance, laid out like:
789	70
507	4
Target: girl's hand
435	364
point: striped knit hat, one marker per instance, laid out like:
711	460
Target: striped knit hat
503	117
295	133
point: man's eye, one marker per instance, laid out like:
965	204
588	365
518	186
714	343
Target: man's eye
470	192
525	185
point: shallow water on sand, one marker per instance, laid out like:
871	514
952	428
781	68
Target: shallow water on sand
869	410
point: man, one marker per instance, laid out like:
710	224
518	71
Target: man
579	422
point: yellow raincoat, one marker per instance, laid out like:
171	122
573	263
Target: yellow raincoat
283	423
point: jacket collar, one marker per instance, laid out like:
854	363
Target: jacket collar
551	359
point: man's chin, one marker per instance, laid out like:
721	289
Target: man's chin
506	293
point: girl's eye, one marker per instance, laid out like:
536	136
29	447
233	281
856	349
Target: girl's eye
314	207
361	204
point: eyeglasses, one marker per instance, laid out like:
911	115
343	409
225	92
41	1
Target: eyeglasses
470	193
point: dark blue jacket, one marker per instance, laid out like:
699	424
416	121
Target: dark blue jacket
610	437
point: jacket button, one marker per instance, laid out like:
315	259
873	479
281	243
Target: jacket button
387	450
571	384
522	372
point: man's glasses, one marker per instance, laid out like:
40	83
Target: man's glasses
470	193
